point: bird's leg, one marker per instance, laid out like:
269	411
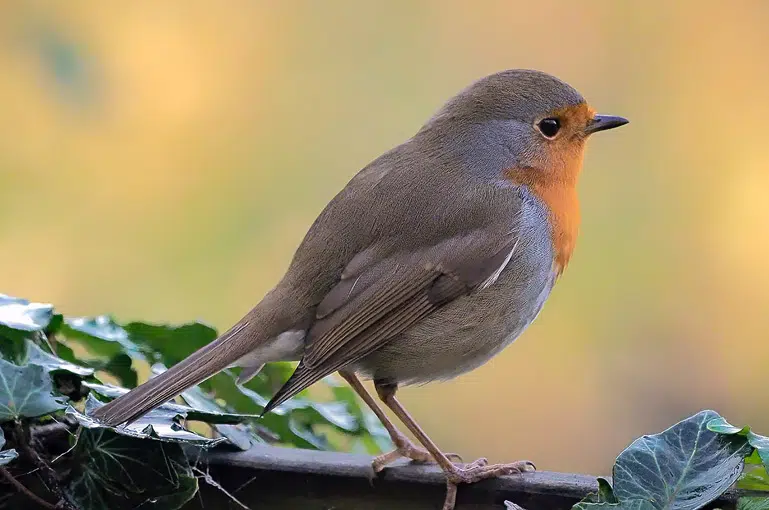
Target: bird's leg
470	473
403	446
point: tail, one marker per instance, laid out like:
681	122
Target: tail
196	368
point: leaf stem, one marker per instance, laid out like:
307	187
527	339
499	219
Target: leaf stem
21	488
49	476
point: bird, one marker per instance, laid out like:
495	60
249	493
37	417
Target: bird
431	260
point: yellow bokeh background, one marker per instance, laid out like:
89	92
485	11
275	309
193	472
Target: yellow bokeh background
161	161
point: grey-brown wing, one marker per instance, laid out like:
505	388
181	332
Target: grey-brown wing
391	295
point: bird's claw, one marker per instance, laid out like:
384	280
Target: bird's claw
480	470
477	471
414	453
405	448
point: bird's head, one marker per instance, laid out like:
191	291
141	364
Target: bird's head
524	122
525	128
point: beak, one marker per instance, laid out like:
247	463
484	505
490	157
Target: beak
604	122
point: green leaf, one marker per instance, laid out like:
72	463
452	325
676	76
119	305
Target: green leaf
238	435
295	421
20	320
162	424
753	503
245	400
6	456
65	352
754	477
188	412
121	366
36	356
289	427
21	315
634	504
101	335
605	493
55	324
12	345
683	468
113	470
26	392
170	344
67	377
760	443
373	433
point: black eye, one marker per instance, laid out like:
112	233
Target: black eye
549	127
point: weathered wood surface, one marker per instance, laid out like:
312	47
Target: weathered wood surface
268	477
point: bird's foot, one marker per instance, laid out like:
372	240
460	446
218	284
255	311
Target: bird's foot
477	471
405	448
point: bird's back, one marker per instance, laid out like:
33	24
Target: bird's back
405	200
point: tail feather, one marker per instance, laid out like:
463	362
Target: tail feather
301	379
196	368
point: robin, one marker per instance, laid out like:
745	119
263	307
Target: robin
430	261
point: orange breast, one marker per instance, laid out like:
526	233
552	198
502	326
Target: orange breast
558	191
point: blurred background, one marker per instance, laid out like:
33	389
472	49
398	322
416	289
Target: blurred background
162	161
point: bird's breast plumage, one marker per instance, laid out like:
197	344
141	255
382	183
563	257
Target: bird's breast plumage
556	189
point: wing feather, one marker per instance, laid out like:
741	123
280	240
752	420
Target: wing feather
411	291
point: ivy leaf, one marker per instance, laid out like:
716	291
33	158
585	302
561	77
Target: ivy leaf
170	344
6	456
760	443
26	392
634	504
120	366
164	420
161	424
291	429
55	324
244	400
36	356
753	503
294	422
373	434
21	315
113	470
101	335
605	493
19	320
754	476
67	377
238	435
188	412
683	468
65	352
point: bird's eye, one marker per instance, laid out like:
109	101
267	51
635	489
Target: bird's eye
549	127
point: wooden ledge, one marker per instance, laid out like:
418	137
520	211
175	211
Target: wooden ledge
269	477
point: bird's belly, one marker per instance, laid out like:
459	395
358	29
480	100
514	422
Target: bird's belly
465	333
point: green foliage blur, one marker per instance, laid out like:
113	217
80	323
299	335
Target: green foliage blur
54	369
162	160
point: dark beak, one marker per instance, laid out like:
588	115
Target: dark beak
604	122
